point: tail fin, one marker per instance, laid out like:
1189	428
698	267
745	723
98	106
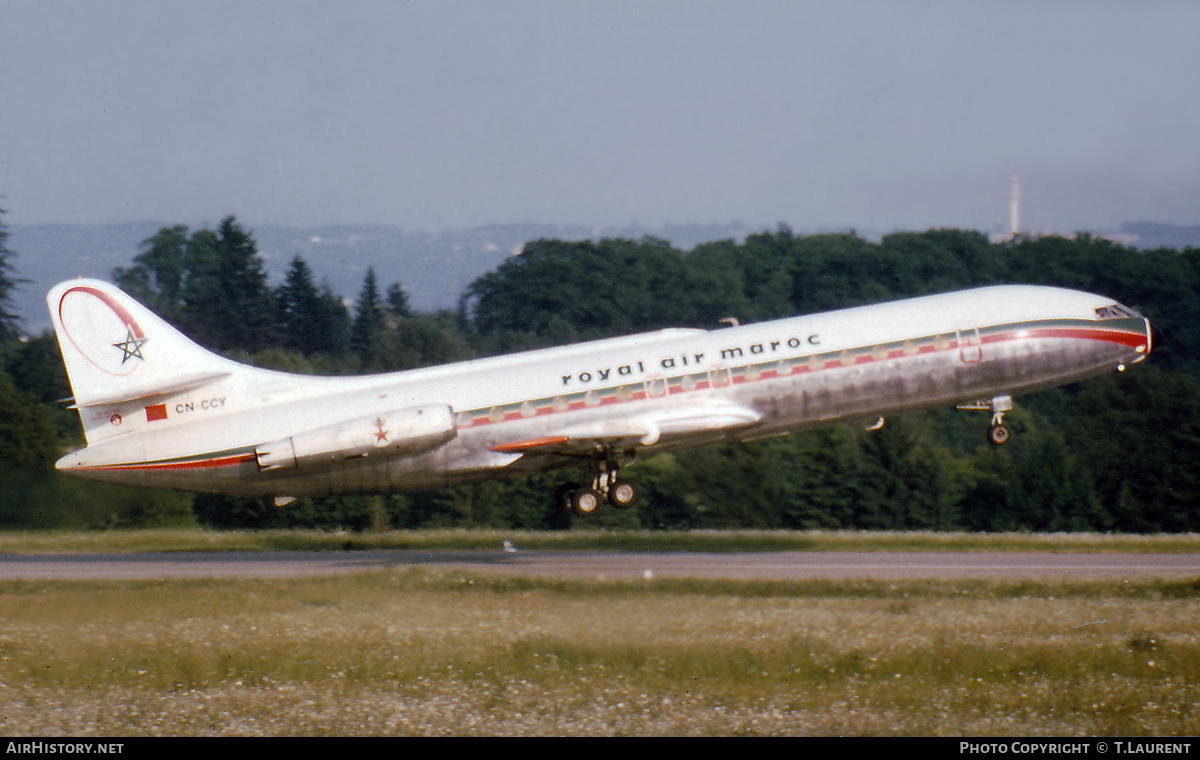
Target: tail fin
117	351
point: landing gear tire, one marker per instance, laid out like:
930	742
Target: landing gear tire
622	493
998	435
563	494
585	502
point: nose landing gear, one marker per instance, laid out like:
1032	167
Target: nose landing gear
998	433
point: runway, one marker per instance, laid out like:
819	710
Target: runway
597	565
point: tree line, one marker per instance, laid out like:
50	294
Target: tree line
1116	453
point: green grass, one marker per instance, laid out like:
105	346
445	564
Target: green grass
426	653
598	539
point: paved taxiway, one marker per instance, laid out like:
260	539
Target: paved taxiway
827	565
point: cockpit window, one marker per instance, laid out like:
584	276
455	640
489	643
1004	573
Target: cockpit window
1115	311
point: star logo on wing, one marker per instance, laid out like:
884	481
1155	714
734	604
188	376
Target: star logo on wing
131	347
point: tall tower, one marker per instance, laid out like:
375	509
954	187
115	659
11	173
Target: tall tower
1014	206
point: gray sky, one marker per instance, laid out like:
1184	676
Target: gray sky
438	114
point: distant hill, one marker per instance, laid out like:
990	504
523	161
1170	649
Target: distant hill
1157	235
433	268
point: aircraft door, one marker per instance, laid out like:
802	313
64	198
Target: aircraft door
970	347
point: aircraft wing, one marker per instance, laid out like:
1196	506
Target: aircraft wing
643	430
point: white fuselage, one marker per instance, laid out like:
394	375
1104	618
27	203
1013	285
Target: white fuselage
244	431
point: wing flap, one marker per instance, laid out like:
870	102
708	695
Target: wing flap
517	447
644	430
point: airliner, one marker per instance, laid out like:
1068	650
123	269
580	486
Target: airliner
158	410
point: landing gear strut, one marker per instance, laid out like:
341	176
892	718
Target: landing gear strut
586	500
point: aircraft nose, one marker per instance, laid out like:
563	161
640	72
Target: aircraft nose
1156	336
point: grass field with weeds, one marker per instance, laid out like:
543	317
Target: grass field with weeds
195	539
412	652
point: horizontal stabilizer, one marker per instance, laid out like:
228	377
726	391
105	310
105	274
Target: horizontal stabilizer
139	393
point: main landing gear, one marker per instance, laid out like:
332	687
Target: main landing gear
586	500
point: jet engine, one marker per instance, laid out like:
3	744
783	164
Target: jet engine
398	433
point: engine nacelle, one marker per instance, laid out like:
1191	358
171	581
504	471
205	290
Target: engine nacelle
402	432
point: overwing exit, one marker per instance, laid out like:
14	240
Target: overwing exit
160	411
